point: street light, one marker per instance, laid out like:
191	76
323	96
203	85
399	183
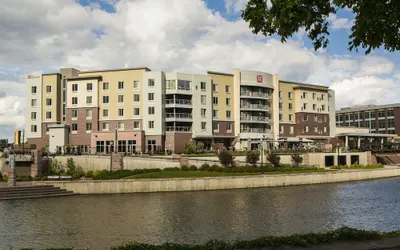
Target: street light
111	153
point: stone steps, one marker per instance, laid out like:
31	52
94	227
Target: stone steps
28	192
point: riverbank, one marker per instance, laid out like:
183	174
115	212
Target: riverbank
217	183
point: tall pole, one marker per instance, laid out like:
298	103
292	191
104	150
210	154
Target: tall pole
23	140
116	139
338	155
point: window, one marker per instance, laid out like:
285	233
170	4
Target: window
390	123
367	124
315	118
316	129
136	84
151	82
105	112
34	90
106	99
203	113
228	101
120	85
151	111
88	100
323	107
228	89
373	125
291	130
229	126
322	96
304	94
151	124
215	100
74	87
74	100
33	128
88	114
215	113
215	87
203	99
48	115
203	125
305	117
280	94
281	131
48	89
33	116
89	86
48	101
151	97
121	125
280	105
106	85
203	86
305	106
215	126
120	112
228	114
290	117
136	111
120	98
290	95
184	85
381	113
33	102
306	128
290	106
314	106
136	125
136	98
373	114
74	127
105	125
390	113
313	95
89	126
280	117
74	114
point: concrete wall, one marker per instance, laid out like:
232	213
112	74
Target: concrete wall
91	162
217	183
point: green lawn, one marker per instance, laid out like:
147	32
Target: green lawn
185	174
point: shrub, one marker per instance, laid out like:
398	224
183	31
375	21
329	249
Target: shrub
200	147
172	169
193	168
297	160
274	159
89	174
204	167
44	178
184	168
71	167
96	173
189	147
225	158
5	178
252	157
56	167
214	168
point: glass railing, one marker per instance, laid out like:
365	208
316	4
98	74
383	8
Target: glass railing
178	129
254	118
254	106
179	115
253	130
179	101
254	94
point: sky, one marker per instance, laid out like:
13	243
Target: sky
191	36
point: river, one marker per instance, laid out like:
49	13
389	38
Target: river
194	217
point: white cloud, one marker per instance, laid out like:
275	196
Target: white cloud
340	22
177	36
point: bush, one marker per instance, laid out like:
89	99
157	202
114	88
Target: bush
5	178
71	167
200	147
274	159
44	178
252	157
172	169
204	167
189	147
56	167
184	168
225	158
297	160
214	168
89	174
193	168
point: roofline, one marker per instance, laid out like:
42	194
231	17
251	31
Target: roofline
394	105
219	73
304	84
110	70
50	74
84	77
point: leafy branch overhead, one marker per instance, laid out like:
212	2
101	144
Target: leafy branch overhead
376	24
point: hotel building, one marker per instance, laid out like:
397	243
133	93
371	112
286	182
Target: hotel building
139	110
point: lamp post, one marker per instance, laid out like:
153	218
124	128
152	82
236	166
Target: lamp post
338	154
23	141
111	153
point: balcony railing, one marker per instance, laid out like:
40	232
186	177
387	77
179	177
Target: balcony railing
178	129
179	101
254	118
254	94
254	106
253	130
179	115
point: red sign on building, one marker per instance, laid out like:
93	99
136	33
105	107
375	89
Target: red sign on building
259	78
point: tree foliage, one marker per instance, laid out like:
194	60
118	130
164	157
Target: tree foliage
297	160
252	157
225	158
376	24
190	147
274	159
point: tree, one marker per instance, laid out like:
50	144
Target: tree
296	160
200	147
252	157
274	159
225	158
377	23
189	147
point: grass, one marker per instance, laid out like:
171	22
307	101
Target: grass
185	174
356	166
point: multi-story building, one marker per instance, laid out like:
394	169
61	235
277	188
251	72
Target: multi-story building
382	119
136	109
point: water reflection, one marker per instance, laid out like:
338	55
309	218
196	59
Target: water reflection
195	217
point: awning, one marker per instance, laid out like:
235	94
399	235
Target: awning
367	135
295	139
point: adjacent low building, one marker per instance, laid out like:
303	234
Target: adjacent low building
139	110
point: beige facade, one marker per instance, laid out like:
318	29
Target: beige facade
224	91
51	101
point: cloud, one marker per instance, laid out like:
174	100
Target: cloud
178	35
340	22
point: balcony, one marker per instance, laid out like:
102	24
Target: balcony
257	107
255	95
178	129
178	103
254	119
185	117
254	130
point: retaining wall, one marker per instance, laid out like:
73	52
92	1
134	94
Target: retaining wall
217	183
